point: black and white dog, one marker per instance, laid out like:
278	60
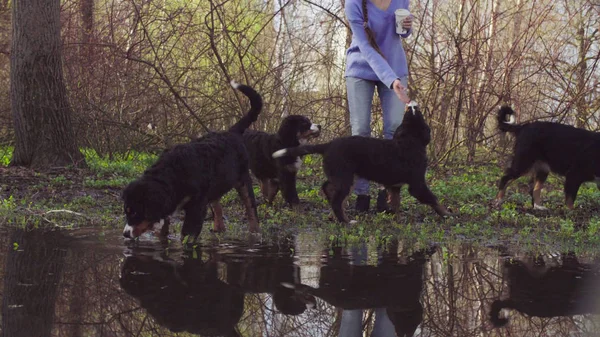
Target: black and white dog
192	176
279	173
390	162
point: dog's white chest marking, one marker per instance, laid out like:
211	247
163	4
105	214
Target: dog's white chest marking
302	141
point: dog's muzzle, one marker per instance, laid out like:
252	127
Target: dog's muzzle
128	232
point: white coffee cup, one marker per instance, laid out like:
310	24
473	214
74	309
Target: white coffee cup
401	14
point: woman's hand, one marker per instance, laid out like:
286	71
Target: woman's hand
400	91
407	22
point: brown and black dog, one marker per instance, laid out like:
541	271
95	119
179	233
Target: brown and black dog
544	147
390	162
193	175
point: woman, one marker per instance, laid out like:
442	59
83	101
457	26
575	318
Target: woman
375	59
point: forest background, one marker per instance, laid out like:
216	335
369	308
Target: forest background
142	75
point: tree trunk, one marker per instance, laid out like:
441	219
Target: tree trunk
581	69
87	31
514	61
41	111
32	274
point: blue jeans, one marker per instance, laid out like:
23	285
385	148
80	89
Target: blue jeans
360	101
351	324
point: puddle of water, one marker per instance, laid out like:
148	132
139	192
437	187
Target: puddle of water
92	283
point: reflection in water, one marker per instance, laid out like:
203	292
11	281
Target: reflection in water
60	284
31	274
265	270
187	297
536	289
392	288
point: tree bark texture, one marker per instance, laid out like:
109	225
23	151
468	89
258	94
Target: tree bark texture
87	31
41	111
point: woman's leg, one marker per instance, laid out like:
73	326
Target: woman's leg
393	108
383	326
360	100
351	324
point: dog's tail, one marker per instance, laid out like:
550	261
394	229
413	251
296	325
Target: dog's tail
256	104
301	150
497	306
506	120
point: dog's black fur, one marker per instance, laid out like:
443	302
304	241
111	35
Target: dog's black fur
281	172
393	163
184	297
191	176
537	290
543	147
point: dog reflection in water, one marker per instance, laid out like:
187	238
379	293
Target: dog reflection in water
191	297
536	289
184	297
392	288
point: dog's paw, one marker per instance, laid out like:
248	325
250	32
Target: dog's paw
451	212
497	203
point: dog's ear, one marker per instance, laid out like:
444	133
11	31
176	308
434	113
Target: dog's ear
288	130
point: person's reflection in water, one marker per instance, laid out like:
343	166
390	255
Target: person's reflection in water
184	297
391	288
265	270
352	319
395	319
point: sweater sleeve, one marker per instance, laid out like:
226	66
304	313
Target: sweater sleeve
380	66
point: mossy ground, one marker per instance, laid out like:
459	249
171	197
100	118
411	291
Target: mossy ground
74	198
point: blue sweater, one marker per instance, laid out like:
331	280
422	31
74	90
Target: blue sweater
362	60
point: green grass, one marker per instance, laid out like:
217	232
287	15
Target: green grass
128	165
467	190
5	155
